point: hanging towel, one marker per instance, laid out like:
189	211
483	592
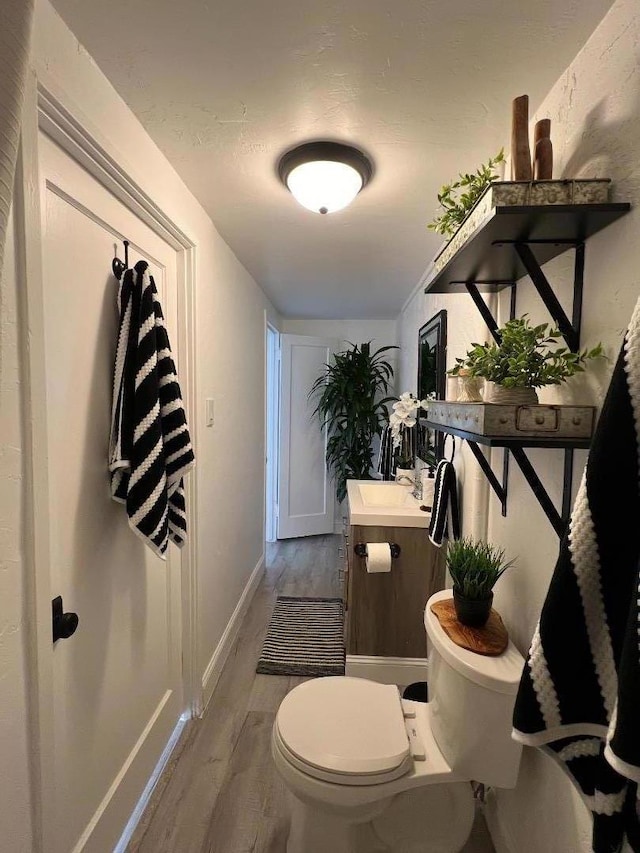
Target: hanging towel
385	454
150	447
445	515
579	698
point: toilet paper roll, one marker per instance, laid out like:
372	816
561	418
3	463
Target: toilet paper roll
378	557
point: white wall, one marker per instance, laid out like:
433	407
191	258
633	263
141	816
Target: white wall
595	113
230	368
15	817
595	119
464	324
381	333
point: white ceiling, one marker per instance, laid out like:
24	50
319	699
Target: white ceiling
423	86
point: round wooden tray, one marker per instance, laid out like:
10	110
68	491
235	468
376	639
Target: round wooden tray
490	640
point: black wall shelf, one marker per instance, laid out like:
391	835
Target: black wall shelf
514	242
487	258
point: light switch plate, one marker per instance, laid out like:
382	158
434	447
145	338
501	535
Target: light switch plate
208	412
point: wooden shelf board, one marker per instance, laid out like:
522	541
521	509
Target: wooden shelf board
487	258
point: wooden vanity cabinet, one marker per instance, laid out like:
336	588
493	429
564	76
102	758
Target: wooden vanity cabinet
385	615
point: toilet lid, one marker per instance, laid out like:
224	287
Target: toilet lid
345	725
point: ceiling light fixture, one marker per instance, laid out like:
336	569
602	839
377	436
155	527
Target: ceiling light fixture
324	176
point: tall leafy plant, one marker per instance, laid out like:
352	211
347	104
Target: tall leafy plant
352	405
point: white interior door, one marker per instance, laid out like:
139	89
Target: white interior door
305	491
117	681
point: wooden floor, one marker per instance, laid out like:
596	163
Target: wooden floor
220	792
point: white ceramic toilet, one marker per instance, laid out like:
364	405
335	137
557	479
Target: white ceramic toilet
369	772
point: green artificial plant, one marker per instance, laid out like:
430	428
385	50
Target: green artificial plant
525	357
457	198
352	405
475	567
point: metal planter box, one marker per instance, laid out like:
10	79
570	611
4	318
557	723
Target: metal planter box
517	193
492	419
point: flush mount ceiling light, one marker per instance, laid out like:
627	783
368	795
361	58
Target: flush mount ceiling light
324	176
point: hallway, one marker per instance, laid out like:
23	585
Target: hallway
220	792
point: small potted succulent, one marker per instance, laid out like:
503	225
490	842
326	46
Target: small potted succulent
474	568
525	359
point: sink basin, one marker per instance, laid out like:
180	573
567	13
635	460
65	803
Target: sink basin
378	503
386	494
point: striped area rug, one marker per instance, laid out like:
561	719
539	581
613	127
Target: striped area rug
305	637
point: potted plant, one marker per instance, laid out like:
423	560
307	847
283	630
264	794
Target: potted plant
457	198
525	359
474	568
402	420
352	407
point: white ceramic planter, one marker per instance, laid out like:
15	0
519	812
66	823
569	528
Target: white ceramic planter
494	393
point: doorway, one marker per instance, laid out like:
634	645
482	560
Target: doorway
272	431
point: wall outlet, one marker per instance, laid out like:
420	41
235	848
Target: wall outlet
208	412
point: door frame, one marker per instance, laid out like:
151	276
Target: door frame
272	429
288	341
48	112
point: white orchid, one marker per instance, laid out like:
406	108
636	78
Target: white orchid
405	415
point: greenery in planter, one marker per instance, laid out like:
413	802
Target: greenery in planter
457	198
352	405
525	357
475	567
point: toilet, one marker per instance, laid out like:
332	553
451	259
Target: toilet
369	772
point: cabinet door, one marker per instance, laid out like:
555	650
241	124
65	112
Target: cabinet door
386	609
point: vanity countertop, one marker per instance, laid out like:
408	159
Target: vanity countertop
381	503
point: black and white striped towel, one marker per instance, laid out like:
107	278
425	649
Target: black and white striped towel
150	447
579	697
445	513
385	454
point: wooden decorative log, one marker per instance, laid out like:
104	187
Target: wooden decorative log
543	151
520	152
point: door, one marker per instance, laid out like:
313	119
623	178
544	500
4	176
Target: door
305	491
117	681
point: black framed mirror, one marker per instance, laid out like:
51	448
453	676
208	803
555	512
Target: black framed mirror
432	373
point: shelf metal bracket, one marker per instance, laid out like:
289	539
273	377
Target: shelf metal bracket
499	488
558	522
483	308
570	328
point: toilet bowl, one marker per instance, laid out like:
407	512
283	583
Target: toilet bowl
369	772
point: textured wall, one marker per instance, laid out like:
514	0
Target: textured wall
230	336
230	367
463	325
595	113
15	818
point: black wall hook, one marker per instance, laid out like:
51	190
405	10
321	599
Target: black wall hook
119	266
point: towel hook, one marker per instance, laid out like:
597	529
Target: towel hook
119	266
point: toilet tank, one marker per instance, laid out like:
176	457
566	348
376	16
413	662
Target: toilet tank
471	699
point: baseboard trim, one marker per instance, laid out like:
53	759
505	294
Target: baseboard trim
219	657
387	670
494	825
143	802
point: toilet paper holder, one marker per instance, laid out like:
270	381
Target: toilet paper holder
361	549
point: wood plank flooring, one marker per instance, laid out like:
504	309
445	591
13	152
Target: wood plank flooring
220	792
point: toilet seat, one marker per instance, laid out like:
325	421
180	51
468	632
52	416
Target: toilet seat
344	730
